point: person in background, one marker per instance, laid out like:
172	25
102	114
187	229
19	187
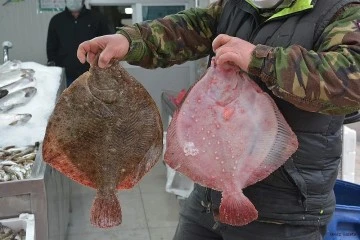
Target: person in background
67	30
306	55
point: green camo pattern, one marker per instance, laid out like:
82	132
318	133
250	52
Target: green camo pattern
174	39
329	78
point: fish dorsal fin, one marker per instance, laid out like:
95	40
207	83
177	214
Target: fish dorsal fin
284	145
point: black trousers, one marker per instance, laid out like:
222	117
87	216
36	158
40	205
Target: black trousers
197	223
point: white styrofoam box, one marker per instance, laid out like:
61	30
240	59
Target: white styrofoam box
349	155
164	143
348	167
177	183
349	136
24	221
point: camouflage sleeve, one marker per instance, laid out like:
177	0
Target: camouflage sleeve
326	80
173	39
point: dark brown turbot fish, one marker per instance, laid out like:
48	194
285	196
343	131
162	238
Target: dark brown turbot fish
105	133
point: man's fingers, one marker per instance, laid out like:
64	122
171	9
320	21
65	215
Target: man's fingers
105	57
227	66
220	40
90	57
223	50
227	58
109	46
226	55
83	49
88	49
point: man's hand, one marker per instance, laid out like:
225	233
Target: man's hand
232	51
111	46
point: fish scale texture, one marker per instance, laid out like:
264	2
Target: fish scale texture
227	135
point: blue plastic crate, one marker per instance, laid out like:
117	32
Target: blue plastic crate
345	224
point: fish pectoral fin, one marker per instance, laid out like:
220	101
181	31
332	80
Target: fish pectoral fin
236	209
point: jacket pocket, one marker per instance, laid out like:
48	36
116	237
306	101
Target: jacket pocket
294	176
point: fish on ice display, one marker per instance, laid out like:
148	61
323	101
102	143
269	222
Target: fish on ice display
7	233
17	88
16	162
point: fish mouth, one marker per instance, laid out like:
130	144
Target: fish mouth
30	91
3	93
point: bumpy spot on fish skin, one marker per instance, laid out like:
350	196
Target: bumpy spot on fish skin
228	113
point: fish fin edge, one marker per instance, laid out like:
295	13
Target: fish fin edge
236	209
61	163
106	211
283	147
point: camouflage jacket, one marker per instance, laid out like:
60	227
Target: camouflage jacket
334	87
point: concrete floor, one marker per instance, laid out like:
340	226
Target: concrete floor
148	211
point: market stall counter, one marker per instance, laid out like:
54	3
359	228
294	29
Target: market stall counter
27	184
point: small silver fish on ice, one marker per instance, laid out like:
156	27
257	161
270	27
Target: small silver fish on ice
22	83
14	76
17	98
14	119
10	65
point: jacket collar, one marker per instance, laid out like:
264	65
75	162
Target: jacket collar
289	7
298	6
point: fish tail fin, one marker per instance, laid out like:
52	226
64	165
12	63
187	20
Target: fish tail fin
106	210
236	209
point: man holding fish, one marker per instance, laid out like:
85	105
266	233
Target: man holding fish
306	55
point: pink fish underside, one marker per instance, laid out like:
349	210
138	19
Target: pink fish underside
229	134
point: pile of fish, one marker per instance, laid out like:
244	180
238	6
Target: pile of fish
17	87
16	162
7	233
